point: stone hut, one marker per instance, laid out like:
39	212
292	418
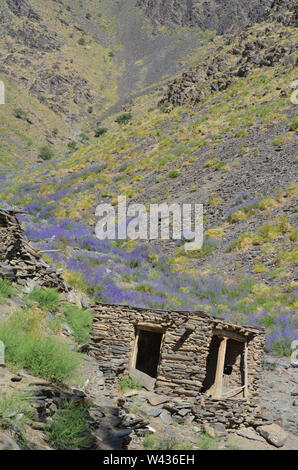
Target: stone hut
187	354
19	260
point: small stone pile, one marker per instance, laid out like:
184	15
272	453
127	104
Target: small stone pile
19	261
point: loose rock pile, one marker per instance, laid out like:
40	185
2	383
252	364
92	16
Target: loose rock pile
231	413
217	418
18	260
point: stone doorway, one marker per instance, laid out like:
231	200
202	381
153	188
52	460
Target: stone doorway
226	368
147	356
233	373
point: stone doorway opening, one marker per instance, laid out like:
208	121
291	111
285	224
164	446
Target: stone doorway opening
233	373
226	368
148	344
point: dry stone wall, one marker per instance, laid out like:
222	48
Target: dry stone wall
232	413
184	350
18	260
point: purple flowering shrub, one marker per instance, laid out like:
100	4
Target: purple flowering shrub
282	330
119	273
243	204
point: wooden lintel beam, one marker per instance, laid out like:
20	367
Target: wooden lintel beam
229	335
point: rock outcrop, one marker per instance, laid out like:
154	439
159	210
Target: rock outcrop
19	261
258	46
22	8
221	15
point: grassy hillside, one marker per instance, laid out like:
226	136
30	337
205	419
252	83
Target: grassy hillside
232	149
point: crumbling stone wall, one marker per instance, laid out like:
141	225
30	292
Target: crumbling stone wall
10	236
18	260
184	349
232	413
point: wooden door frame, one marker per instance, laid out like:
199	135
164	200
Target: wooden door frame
224	336
135	349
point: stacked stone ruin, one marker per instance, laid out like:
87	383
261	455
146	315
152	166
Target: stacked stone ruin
19	261
191	359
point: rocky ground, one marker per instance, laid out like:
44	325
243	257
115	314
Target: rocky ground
120	421
278	391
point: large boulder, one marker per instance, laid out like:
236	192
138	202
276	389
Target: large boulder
274	434
143	379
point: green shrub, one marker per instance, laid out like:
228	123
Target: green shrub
43	355
288	257
208	247
164	442
279	140
293	125
82	42
164	107
84	137
292	190
127	382
100	131
46	298
214	200
241	133
72	144
268	203
270	232
123	118
281	348
173	173
45	152
294	235
259	268
216	163
15	409
6	289
269	365
20	113
70	427
80	322
245	241
206	442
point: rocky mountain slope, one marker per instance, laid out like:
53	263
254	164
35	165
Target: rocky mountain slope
220	15
67	63
100	87
255	48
